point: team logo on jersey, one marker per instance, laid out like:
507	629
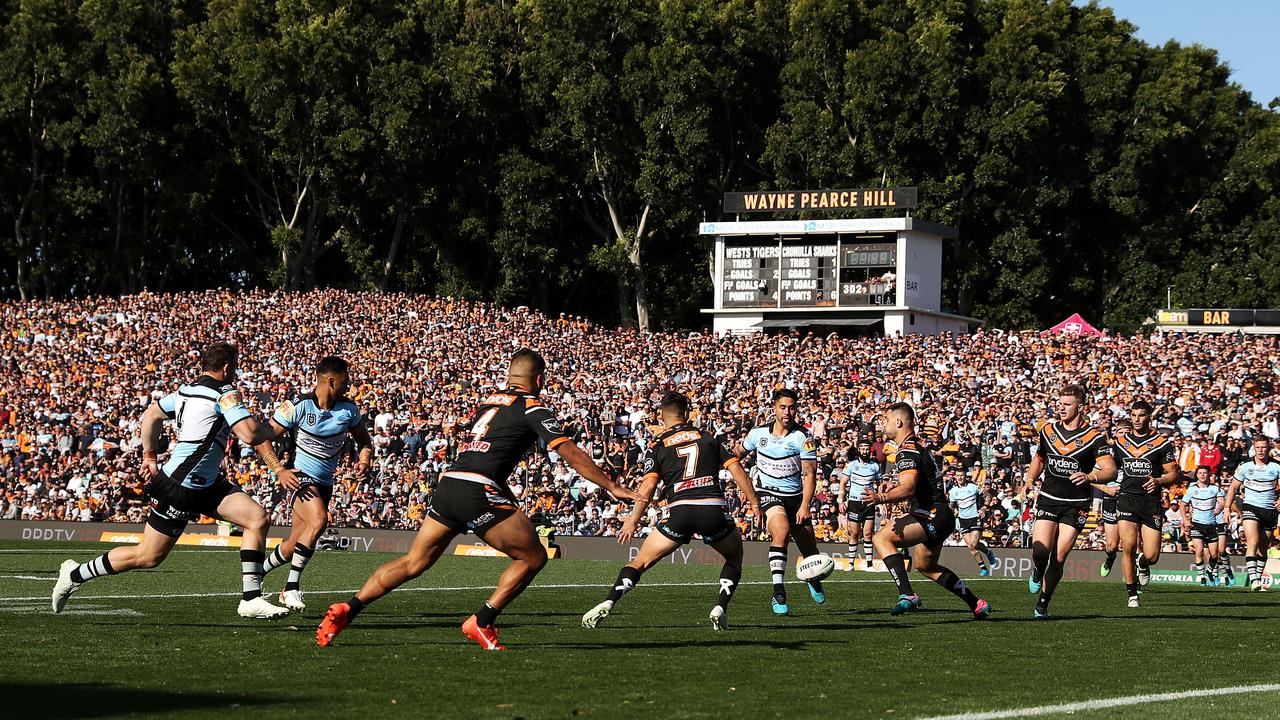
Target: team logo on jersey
552	426
311	418
810	445
229	399
287	410
764	441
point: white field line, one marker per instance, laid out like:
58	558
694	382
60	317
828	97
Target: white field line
1104	703
27	577
468	588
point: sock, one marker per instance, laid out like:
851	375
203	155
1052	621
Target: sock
1132	588
1249	569
627	579
276	560
1213	569
778	568
356	605
1225	560
487	615
853	552
1142	562
1111	556
898	571
251	573
1040	562
956	586
301	556
96	567
867	550
983	547
729	577
1199	568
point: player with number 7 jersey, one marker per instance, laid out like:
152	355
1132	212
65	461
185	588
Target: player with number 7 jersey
688	462
473	495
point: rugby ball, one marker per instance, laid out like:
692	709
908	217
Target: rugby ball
815	567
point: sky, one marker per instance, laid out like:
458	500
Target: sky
1244	32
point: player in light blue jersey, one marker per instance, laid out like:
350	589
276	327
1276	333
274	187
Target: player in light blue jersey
315	428
861	475
191	483
786	461
966	499
1224	535
1258	478
1199	512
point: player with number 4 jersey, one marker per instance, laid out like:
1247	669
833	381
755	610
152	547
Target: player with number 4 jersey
473	495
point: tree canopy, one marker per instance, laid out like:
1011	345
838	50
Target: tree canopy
560	153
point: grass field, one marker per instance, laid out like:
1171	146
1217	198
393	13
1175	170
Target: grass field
168	642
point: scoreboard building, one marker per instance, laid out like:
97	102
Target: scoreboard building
857	276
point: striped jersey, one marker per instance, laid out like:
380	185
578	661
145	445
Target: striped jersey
779	458
316	435
203	413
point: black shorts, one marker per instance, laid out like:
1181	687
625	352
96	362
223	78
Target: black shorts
938	522
1143	510
173	506
1062	513
462	505
312	488
1110	510
1207	533
789	503
710	522
858	511
968	525
1266	517
1222	529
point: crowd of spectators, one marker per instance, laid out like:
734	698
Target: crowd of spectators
78	374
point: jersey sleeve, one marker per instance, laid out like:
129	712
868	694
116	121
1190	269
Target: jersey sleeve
286	415
750	443
1168	454
540	419
650	466
726	454
808	448
1239	473
1042	444
1102	447
169	404
231	405
907	460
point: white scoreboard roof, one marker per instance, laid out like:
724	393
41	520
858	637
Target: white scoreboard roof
801	227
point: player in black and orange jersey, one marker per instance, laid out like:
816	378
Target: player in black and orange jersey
1147	463
1072	455
688	462
926	526
473	495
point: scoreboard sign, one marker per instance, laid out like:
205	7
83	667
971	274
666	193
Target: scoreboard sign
798	200
822	271
1218	317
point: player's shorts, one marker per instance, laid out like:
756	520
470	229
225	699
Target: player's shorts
312	488
710	522
1205	532
173	506
789	503
1145	511
462	505
1110	510
1062	513
1222	529
1266	517
938	522
858	511
968	525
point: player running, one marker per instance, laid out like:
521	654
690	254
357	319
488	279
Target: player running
1224	534
473	495
1258	478
191	483
1199	512
687	461
316	426
926	526
860	475
966	497
1071	456
1111	514
1147	463
785	475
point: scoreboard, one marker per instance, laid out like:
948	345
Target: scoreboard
808	271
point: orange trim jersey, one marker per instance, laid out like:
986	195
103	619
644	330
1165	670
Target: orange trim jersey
503	430
688	461
1138	458
1065	452
912	455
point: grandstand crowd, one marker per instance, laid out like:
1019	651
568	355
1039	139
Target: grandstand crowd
77	376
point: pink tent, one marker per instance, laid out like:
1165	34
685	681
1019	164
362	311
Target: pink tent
1076	325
